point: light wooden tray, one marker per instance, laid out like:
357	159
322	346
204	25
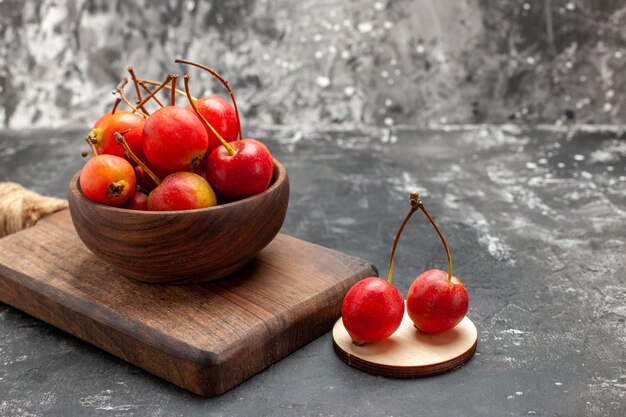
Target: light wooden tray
409	353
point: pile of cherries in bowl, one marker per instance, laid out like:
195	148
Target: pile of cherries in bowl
173	158
174	193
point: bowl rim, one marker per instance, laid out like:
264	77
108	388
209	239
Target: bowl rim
278	180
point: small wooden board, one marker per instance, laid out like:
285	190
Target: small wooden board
205	338
409	353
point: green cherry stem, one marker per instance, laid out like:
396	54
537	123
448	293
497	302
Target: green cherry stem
415	200
222	80
230	149
443	240
119	137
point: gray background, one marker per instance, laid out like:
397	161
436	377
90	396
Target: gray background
536	223
535	215
318	62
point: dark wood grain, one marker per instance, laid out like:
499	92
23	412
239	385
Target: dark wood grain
181	247
206	338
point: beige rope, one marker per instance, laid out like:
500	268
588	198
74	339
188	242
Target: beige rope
21	208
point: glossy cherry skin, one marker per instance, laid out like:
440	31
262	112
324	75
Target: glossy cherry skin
108	179
182	191
137	201
121	121
435	304
174	139
221	115
372	310
242	175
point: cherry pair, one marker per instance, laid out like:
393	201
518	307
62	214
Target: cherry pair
436	302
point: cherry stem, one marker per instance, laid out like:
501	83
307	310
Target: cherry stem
230	149
150	91
443	240
151	82
414	198
119	137
117	103
141	189
156	90
173	90
131	71
119	89
224	83
90	140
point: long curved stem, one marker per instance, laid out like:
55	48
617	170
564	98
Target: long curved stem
224	83
155	98
119	90
414	198
443	240
119	137
156	90
230	149
131	71
169	87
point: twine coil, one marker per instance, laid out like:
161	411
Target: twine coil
21	208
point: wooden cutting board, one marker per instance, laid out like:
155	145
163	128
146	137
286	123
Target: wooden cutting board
205	338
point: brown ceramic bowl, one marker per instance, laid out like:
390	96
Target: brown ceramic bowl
181	247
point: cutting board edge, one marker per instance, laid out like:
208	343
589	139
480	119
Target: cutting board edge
81	322
26	294
290	333
111	320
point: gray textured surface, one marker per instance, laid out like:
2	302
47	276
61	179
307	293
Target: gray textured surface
536	224
310	61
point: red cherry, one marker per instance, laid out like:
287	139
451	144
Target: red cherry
437	301
372	310
145	180
182	191
436	304
108	179
221	115
174	139
102	134
244	174
137	201
102	118
238	169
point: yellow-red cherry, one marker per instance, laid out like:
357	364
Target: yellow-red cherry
182	191
103	133
108	179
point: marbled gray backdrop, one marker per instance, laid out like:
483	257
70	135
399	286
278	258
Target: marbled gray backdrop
331	61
